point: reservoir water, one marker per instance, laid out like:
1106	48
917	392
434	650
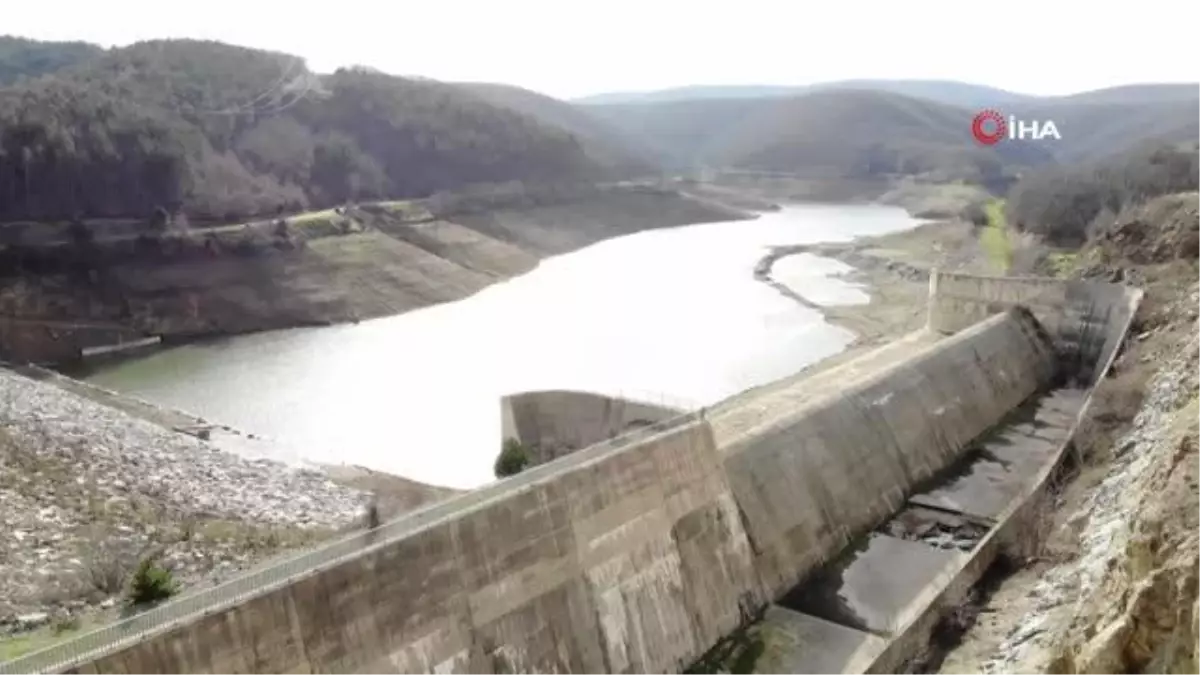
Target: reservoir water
670	315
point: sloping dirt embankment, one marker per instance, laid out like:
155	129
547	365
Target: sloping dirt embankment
357	263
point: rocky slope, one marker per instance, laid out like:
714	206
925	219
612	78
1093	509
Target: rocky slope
86	491
1114	586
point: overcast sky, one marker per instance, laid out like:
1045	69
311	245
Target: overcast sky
571	48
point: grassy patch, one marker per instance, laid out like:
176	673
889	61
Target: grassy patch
327	223
19	645
408	210
1062	264
311	217
994	238
256	538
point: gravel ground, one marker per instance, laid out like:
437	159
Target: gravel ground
87	490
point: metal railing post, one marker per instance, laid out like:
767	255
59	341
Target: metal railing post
931	309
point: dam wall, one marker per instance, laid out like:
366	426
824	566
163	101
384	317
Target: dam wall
1085	318
811	481
555	423
634	555
626	558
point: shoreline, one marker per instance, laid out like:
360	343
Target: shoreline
897	291
251	281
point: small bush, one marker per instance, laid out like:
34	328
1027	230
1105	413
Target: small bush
106	574
975	214
513	459
66	624
151	583
109	564
1115	403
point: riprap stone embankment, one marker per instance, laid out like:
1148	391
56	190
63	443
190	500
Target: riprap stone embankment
85	490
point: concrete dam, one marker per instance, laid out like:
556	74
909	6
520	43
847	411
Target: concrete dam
793	504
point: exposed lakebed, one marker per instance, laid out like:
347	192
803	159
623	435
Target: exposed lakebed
672	316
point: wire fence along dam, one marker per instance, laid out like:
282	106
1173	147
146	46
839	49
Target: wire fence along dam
639	554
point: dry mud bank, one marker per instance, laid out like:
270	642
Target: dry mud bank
344	265
893	270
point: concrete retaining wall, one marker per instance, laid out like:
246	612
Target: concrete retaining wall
1084	317
631	556
810	482
554	423
629	561
950	591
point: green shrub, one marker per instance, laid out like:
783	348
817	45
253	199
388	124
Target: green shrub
66	624
513	458
151	583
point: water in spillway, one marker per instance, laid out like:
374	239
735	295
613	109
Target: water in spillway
671	315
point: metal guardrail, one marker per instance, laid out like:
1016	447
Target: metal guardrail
652	397
105	640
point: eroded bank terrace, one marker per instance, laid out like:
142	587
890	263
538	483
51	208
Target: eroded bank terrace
848	507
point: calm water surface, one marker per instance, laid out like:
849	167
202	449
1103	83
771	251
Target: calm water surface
670	315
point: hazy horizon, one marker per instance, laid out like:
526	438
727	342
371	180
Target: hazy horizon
585	48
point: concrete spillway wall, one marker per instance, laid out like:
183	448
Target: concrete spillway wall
811	481
635	555
625	559
555	423
1085	318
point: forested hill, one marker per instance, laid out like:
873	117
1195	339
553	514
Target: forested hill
614	148
228	132
22	57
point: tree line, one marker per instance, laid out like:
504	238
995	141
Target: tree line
1066	204
21	58
228	133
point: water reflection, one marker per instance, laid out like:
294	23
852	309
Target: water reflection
669	315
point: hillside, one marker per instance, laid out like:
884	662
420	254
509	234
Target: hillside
223	132
1068	204
21	58
940	91
857	129
1134	93
59	293
603	143
1093	128
679	133
833	134
690	93
863	133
